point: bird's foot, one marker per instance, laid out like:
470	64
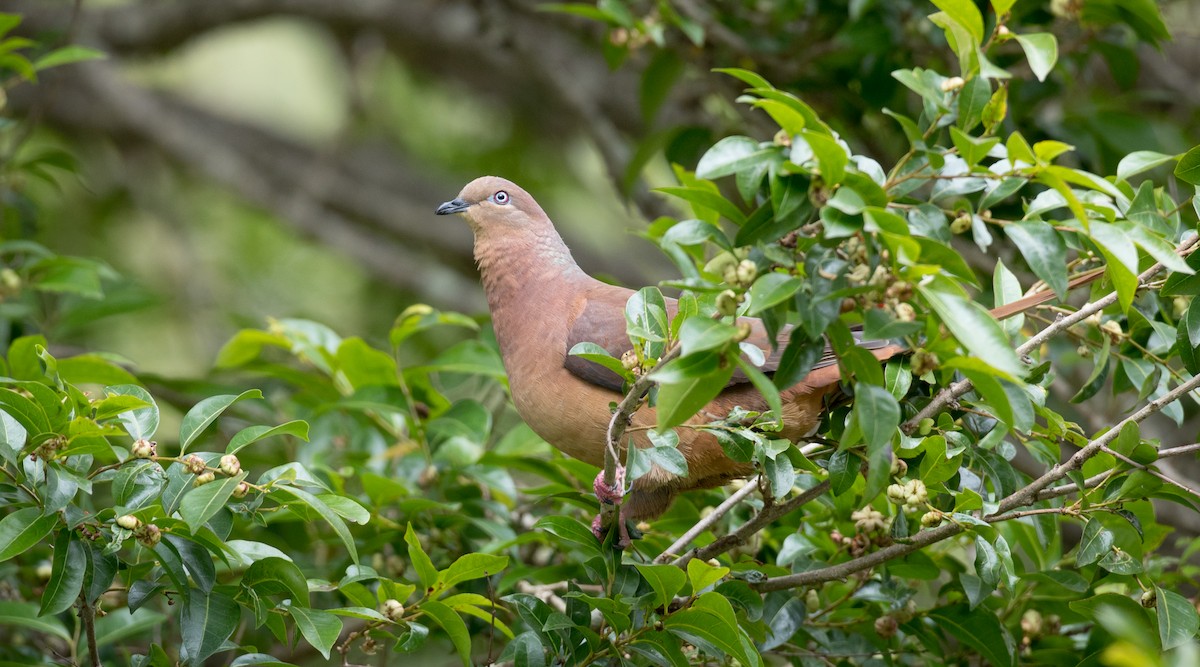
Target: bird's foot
623	537
610	495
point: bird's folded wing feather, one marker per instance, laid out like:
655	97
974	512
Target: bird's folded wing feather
602	321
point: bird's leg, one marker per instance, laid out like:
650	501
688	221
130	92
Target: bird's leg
623	538
610	495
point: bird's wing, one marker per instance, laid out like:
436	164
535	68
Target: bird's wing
602	321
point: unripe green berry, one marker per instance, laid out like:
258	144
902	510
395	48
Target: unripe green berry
204	478
241	490
812	600
1149	598
727	303
961	224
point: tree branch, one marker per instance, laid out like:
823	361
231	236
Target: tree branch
710	520
1020	498
954	391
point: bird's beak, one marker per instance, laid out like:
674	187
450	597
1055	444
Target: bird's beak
453	206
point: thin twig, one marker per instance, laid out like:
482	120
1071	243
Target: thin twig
616	428
949	394
1020	498
743	533
1125	459
708	521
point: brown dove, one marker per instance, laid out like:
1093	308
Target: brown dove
542	304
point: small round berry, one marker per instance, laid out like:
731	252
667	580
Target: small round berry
195	464
727	302
886	627
149	535
953	83
812	600
961	224
144	449
204	478
129	522
1149	598
393	609
241	490
230	465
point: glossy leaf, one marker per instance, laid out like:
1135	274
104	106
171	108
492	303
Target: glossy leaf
22	529
206	412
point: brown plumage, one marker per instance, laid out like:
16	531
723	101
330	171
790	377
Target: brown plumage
542	304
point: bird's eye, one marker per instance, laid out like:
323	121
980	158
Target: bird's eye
501	197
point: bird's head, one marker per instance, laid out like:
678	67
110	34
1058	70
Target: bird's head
490	203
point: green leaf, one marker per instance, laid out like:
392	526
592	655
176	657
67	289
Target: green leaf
1191	321
972	100
831	157
764	385
1177	618
22	529
205	412
752	79
454	626
711	620
142	422
28	414
471	566
93	369
974	328
25	615
706	199
877	413
969	148
666	580
596	354
525	650
1188	169
330	517
273	575
678	401
426	572
772	289
1044	251
1095	542
700	334
573	532
980	629
966	14
66	55
319	627
252	434
207	621
701	575
1041	49
199	505
731	155
66	576
1140	161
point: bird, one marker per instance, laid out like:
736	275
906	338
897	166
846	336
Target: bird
542	304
